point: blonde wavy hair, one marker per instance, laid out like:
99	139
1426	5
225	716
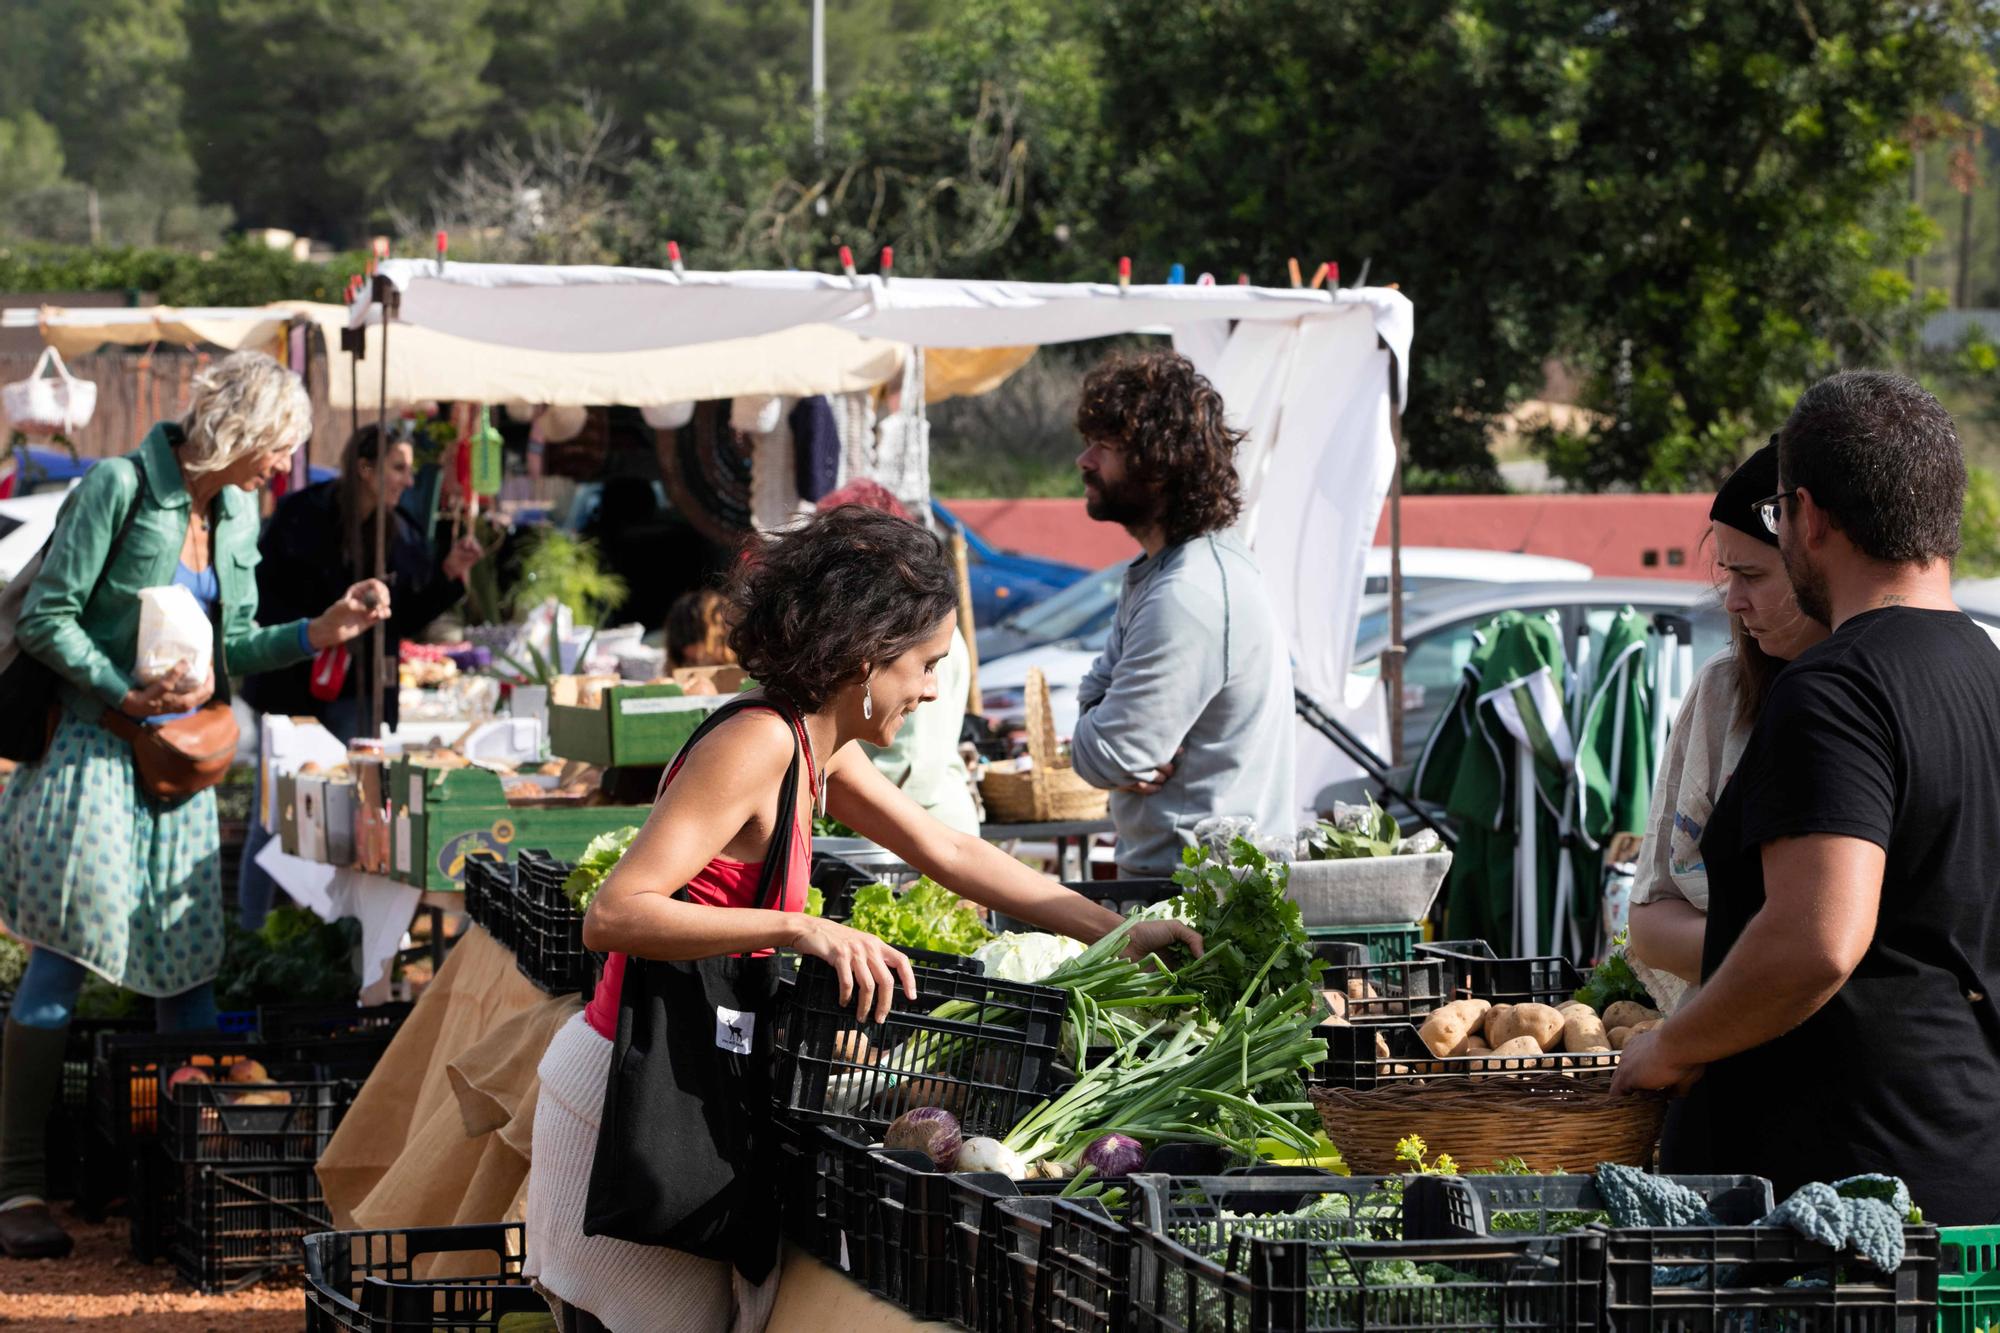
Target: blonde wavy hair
244	404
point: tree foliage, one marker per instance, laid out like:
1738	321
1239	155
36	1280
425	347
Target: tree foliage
1696	207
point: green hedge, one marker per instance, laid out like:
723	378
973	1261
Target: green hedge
241	273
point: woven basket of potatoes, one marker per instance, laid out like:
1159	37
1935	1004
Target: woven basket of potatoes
1498	1081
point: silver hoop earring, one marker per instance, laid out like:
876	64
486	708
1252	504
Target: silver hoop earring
867	703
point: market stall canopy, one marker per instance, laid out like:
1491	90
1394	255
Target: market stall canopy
427	363
588	308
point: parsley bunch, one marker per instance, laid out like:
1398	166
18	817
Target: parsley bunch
1254	940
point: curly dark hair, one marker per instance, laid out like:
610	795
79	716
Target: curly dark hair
1881	456
1166	421
812	608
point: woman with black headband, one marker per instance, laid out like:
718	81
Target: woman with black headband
1766	630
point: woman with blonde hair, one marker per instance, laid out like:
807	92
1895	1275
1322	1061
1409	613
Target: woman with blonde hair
95	874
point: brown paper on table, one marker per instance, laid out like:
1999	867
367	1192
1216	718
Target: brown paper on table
440	1133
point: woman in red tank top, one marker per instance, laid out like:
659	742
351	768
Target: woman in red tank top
843	621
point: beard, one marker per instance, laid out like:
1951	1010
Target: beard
1128	503
1808	584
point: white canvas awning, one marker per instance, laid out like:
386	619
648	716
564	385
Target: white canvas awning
427	363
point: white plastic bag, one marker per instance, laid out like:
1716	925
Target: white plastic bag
172	628
49	404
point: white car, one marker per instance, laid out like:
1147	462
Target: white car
1064	633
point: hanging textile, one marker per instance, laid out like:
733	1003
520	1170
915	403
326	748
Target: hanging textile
1613	784
902	461
815	448
774	483
707	475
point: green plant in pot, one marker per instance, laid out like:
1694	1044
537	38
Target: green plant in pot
568	569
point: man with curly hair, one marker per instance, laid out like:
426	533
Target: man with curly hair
1188	711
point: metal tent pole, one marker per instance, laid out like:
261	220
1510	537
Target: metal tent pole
378	706
1392	656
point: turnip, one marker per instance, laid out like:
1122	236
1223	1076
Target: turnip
930	1130
991	1155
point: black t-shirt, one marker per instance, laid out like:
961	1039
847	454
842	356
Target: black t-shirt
1888	731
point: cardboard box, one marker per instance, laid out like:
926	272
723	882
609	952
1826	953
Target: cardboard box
340	821
371	815
311	790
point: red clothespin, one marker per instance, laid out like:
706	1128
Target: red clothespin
1124	272
368	269
847	261
1205	280
443	244
1332	274
1243	280
1292	267
888	259
1319	276
674	257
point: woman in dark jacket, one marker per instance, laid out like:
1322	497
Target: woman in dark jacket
324	537
94	874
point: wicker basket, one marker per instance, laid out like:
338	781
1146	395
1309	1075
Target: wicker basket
1050	791
1552	1123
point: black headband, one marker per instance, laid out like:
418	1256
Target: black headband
1756	480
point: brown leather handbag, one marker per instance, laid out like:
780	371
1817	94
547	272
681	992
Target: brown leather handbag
176	759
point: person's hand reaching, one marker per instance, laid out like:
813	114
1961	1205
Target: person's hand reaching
359	610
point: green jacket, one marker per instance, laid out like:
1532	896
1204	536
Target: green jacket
81	616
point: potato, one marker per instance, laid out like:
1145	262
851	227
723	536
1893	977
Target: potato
1499	1024
1445	1032
1476	1046
851	1046
1336	1021
1381	1047
1567	1005
1582	1030
1539	1021
1619	1036
1627	1013
1336	1002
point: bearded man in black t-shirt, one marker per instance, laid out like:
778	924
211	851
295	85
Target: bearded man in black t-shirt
1846	1020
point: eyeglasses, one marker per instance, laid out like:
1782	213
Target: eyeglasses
1771	507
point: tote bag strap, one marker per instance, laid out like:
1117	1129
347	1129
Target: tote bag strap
777	860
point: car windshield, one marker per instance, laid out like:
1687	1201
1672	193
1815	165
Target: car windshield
1084	608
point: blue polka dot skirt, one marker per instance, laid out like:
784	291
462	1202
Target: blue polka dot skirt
89	868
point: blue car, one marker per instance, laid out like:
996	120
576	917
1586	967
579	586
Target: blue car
1003	582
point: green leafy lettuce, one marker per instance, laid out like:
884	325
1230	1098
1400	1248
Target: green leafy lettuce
596	862
925	916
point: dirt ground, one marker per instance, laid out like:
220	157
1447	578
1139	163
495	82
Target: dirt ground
101	1287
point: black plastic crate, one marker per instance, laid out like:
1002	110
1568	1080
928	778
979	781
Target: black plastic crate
153	1202
931	1263
988	1059
1474	971
1122	896
125	1076
1234	1253
973	1200
69	1149
489	894
344	1040
1752	1279
1367	1055
837	879
1058	1264
236	1225
1449	1207
548	931
365	1281
1372	991
224	1124
850	1224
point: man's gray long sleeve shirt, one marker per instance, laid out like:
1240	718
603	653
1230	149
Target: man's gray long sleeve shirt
1196	664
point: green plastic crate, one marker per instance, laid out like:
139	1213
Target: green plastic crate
1395	942
635	724
1969	1279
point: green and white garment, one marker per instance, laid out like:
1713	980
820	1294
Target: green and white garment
91	870
1592	774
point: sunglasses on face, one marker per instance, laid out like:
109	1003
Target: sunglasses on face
1772	507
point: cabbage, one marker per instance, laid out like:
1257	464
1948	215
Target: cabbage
596	862
1025	956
